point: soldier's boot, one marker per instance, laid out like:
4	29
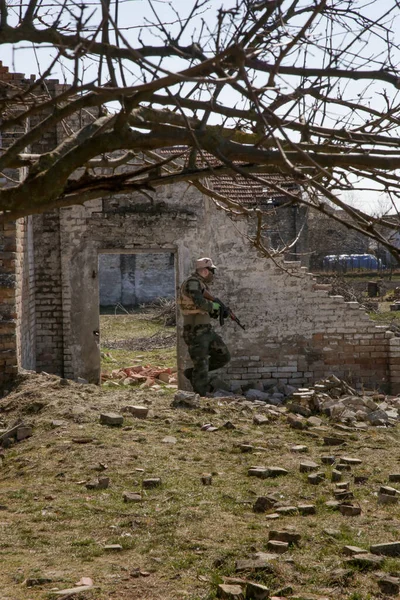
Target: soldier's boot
188	373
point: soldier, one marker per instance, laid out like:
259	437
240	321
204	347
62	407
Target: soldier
206	348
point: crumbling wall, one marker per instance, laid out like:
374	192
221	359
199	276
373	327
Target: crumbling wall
295	333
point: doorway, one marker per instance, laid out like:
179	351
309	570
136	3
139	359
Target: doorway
137	315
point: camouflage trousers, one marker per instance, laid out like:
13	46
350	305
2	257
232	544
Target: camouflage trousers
208	352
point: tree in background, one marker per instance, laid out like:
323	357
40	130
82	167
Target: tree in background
305	88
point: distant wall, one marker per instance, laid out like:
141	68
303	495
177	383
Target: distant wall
133	279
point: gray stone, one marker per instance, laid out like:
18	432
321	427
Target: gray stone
348	460
316	478
236	388
349	510
260	420
132	497
377	417
299	409
389	549
276	472
228	425
223	394
336	475
264	472
23	432
276	399
296	422
327	460
246	448
389	585
365	561
307	466
385	489
139	412
261	472
287	510
333	441
263	503
307	509
183	399
152	482
342	467
314	421
387	498
394	477
227	591
277	546
299	448
101	483
290	537
254	394
113	547
354	550
342	495
218	384
259	563
256	591
112	419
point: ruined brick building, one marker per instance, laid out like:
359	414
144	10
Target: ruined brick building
49	291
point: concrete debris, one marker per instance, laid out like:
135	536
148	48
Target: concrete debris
365	561
227	591
18	432
389	585
140	412
277	546
153	482
287	535
390	549
132	497
263	503
112	419
184	399
307	466
101	483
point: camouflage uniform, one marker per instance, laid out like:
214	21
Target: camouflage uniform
206	348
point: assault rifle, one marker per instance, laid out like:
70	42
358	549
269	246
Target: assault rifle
224	311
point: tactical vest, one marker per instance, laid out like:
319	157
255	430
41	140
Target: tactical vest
185	301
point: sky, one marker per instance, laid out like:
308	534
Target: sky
30	60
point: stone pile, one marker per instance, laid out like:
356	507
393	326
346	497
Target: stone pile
343	404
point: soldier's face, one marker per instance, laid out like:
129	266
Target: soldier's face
210	275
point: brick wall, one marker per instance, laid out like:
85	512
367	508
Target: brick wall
295	332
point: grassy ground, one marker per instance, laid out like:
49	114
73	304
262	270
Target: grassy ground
184	537
136	339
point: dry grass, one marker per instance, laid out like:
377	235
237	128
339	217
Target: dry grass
130	337
185	535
